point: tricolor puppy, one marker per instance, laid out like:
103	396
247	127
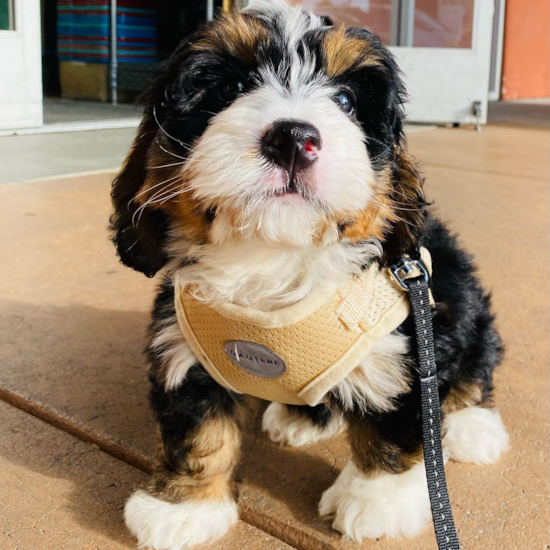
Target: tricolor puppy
271	183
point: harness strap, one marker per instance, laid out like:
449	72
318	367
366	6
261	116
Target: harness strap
442	515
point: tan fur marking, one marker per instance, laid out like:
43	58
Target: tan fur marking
373	454
375	219
408	193
343	52
209	464
234	32
395	205
191	220
153	187
467	394
187	214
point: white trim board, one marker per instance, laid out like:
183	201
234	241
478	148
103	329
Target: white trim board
82	126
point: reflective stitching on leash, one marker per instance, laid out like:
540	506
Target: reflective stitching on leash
436	460
432	441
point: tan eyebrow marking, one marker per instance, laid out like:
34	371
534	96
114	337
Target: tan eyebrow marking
235	33
344	52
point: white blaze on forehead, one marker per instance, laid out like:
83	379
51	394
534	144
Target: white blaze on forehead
294	24
296	21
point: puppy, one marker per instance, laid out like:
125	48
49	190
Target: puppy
270	161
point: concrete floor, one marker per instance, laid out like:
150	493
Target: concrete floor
57	110
76	434
39	156
526	112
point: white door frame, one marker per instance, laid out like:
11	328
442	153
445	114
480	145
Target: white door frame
21	62
497	47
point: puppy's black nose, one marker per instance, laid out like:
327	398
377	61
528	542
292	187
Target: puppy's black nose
292	144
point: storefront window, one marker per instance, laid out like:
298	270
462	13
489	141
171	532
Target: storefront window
374	15
443	23
418	23
7	22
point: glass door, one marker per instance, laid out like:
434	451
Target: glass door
443	48
20	59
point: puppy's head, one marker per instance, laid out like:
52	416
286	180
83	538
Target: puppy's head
271	125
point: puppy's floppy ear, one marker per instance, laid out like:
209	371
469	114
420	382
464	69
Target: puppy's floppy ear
139	239
409	204
407	193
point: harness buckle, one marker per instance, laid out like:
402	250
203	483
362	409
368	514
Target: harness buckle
407	268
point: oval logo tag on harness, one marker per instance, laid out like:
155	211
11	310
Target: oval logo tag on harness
255	359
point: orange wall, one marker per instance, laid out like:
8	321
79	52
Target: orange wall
526	54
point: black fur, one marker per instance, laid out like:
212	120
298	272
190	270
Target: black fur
320	415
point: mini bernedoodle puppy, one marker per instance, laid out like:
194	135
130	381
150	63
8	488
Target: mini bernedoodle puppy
271	161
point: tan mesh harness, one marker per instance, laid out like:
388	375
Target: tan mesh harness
296	354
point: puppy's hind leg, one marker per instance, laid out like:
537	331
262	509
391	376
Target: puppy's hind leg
189	499
472	428
474	434
297	426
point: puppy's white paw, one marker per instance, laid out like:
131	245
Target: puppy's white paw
474	434
160	525
391	505
292	429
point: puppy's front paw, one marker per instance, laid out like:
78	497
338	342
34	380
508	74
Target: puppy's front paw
161	525
287	428
392	505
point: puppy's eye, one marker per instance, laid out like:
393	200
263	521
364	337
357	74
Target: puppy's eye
345	102
230	89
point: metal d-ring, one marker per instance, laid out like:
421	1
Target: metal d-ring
404	268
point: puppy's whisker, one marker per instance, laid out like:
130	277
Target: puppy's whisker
177	193
381	154
155	186
183	144
170	152
138	213
166	165
370	138
400	219
399	202
398	192
393	207
130	247
407	209
157	197
154	198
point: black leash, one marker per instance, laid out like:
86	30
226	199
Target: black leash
419	294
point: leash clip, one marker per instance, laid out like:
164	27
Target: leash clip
407	268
